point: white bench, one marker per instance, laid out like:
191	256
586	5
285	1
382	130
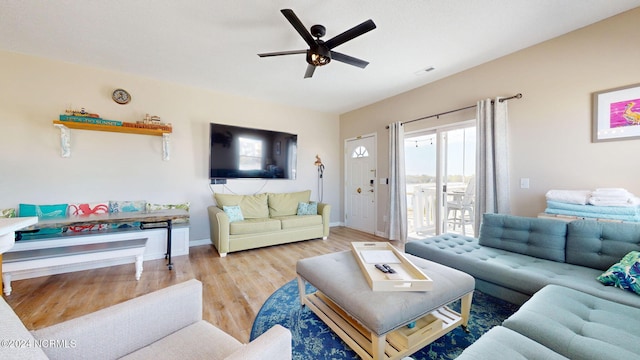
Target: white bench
27	260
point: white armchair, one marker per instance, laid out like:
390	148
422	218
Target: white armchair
165	324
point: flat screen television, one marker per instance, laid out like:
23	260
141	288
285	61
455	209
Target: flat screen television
247	153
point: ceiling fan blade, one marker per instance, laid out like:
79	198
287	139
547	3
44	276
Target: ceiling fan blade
348	59
297	24
292	52
309	72
350	34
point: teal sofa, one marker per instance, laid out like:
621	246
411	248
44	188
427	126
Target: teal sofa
266	219
550	267
562	323
514	257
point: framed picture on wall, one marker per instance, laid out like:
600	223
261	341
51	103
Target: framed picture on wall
616	114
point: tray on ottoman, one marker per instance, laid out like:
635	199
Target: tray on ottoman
408	277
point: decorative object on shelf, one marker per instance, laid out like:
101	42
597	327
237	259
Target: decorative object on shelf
151	122
121	96
82	113
616	114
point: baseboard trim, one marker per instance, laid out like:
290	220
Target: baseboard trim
199	242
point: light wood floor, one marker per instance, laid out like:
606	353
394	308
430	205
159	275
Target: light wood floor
234	287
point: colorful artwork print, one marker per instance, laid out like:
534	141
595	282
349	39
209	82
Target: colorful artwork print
625	113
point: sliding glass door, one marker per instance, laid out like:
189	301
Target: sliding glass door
440	176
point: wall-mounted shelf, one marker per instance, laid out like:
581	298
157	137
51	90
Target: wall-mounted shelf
111	128
65	136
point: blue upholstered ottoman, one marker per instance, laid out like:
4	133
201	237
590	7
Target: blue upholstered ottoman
578	325
366	319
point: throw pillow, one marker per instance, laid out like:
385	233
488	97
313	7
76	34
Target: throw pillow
159	207
8	213
624	274
44	212
310	208
233	212
86	209
127	206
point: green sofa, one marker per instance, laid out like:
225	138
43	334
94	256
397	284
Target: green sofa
265	219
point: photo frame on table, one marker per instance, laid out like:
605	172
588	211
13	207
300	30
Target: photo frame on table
616	114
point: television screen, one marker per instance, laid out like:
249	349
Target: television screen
244	153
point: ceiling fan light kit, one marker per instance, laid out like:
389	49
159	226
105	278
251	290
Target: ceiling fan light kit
320	53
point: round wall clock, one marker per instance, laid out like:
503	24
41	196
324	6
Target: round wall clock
121	96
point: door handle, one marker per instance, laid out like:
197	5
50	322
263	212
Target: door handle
359	190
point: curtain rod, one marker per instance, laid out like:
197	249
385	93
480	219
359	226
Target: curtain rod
516	96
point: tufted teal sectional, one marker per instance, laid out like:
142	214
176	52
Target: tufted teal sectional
514	257
551	266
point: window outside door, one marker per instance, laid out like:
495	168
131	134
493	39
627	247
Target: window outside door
440	165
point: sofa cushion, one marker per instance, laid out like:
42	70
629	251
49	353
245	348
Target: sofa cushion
542	238
253	206
624	274
254	226
198	341
502	343
285	204
578	325
599	244
297	221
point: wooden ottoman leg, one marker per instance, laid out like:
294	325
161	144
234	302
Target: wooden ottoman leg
465	309
378	343
301	289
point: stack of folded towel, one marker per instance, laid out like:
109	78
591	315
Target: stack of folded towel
612	197
605	203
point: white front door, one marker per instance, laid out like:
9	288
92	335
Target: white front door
360	183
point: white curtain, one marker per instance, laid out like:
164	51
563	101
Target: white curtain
492	181
397	224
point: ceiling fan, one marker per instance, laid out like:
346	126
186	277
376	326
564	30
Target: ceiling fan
320	52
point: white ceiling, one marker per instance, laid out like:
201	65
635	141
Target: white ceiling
214	44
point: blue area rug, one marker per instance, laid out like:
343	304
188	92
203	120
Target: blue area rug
313	339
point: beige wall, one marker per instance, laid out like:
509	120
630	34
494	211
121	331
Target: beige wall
550	128
112	166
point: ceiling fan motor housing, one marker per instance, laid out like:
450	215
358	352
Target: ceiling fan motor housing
319	54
